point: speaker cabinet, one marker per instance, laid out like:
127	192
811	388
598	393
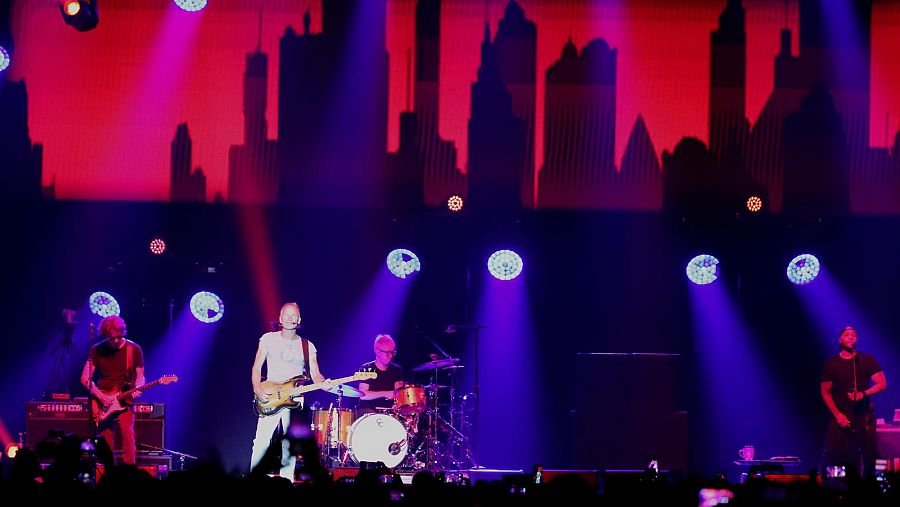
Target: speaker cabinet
42	417
73	416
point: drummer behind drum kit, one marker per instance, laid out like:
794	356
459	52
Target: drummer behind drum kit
411	435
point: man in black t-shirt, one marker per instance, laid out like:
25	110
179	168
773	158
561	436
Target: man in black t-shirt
117	365
849	380
379	392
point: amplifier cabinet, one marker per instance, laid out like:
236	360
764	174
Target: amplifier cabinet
73	416
42	417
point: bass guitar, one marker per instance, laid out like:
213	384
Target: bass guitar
289	394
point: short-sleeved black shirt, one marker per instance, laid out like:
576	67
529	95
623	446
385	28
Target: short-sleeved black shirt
839	372
384	382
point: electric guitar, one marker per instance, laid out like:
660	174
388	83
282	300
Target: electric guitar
101	411
289	394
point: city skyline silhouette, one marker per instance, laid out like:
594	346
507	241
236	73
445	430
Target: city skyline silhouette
333	109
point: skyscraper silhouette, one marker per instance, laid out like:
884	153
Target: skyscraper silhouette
692	186
252	167
580	129
20	160
406	168
442	176
728	126
185	185
834	54
639	183
814	145
332	108
516	49
496	138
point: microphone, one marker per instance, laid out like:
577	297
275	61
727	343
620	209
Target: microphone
454	328
274	325
396	447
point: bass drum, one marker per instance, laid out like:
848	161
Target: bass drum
378	437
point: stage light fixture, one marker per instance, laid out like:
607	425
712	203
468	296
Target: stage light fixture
803	269
403	263
505	264
754	204
72	8
81	15
157	246
5	59
191	5
207	307
103	304
455	203
701	270
11	451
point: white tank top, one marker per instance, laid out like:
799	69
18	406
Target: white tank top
284	357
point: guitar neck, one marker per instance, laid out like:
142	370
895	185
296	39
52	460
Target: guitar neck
297	391
136	389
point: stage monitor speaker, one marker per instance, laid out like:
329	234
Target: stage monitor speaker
784	478
162	461
888	441
153	470
341	472
625	482
590	477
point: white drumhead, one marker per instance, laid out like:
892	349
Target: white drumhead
378	437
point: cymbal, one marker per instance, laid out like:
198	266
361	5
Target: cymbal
437	363
432	387
346	391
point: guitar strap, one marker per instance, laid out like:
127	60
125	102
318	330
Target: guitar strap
305	344
129	371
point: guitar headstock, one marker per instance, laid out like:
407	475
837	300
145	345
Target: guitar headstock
168	379
364	375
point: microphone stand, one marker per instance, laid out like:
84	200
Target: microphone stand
181	456
442	351
476	332
95	426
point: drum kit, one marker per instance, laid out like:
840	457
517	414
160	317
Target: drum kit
422	431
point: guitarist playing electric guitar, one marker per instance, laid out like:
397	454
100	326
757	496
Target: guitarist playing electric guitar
113	364
286	356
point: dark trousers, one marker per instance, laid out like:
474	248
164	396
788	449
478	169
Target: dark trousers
855	447
124	422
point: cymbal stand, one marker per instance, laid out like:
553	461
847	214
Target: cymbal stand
181	456
333	434
326	447
460	449
343	452
431	436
